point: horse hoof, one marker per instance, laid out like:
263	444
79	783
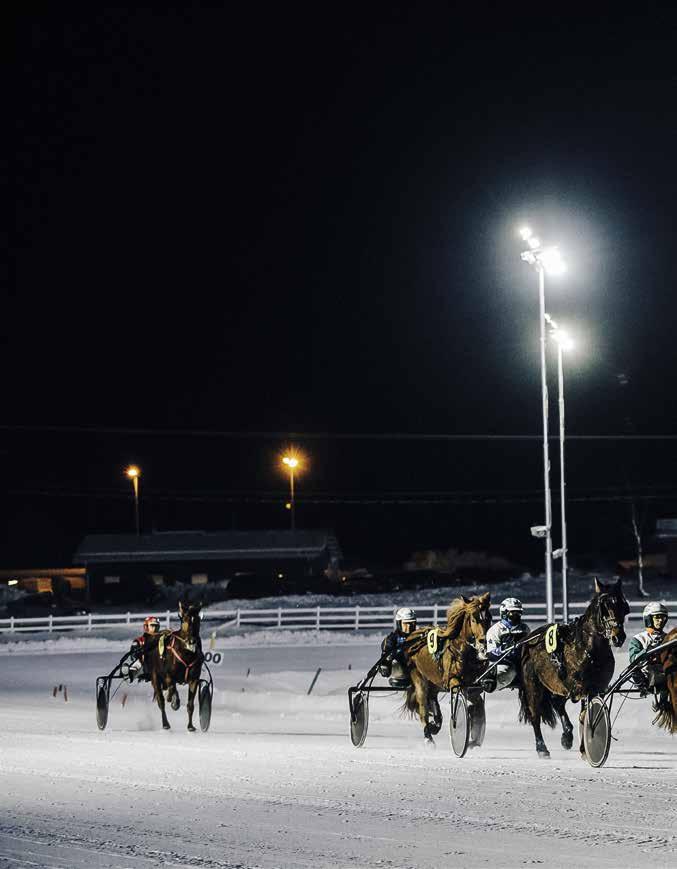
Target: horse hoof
430	742
166	726
543	753
191	728
175	702
567	740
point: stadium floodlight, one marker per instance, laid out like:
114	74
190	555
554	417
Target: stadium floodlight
525	233
134	474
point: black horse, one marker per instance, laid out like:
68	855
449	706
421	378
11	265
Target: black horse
175	657
584	664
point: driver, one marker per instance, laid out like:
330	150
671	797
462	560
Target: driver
394	665
501	637
655	616
151	627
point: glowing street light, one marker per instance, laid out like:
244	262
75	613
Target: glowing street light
564	344
292	462
544	259
134	474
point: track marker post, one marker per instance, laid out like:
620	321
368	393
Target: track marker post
312	684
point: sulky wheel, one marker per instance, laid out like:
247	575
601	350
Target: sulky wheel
102	705
596	732
459	722
359	719
204	702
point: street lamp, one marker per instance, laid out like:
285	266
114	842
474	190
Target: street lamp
134	473
544	259
563	342
292	463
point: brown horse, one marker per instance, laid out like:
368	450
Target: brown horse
176	658
587	664
667	660
462	649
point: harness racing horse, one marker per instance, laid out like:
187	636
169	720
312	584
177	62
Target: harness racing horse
460	650
587	664
667	661
176	658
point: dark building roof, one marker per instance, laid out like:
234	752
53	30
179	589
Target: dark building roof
205	546
666	529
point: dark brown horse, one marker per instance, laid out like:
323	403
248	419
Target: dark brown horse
667	661
175	658
588	664
462	649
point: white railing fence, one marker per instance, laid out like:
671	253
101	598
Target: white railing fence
357	618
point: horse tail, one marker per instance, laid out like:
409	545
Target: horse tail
410	707
546	710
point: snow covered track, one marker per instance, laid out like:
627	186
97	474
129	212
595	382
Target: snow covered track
276	783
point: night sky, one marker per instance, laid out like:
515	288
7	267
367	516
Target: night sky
296	218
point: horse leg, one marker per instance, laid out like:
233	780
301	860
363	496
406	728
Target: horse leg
190	705
581	725
567	739
421	692
160	698
531	699
173	697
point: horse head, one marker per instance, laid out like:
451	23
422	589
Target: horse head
189	613
611	610
476	622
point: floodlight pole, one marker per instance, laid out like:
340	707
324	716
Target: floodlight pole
560	385
291	499
546	457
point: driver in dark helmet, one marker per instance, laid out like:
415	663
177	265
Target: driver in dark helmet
394	665
501	638
655	615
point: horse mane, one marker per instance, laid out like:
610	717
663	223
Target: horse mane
457	610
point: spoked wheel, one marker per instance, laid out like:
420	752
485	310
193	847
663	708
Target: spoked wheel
359	719
596	731
459	722
478	722
204	702
102	697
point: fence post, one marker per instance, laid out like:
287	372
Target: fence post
11	624
129	618
237	618
51	617
279	617
357	618
435	615
167	618
89	621
317	622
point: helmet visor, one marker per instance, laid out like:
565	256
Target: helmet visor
408	627
659	620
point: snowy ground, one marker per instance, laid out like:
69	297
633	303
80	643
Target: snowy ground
276	782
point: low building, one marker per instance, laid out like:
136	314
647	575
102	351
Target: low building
666	533
122	567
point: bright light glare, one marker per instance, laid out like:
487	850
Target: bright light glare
563	339
132	471
13	582
291	461
534	242
552	261
525	233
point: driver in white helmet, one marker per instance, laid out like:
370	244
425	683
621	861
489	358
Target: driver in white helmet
501	638
655	615
151	627
394	663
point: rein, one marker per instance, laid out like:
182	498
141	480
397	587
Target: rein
190	645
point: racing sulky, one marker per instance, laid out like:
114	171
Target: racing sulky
583	664
176	659
444	658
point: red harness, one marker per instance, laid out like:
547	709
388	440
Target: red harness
188	667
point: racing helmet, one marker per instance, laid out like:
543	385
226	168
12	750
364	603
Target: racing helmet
655	608
510	605
405	616
151	625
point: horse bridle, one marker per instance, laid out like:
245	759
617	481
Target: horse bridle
609	622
